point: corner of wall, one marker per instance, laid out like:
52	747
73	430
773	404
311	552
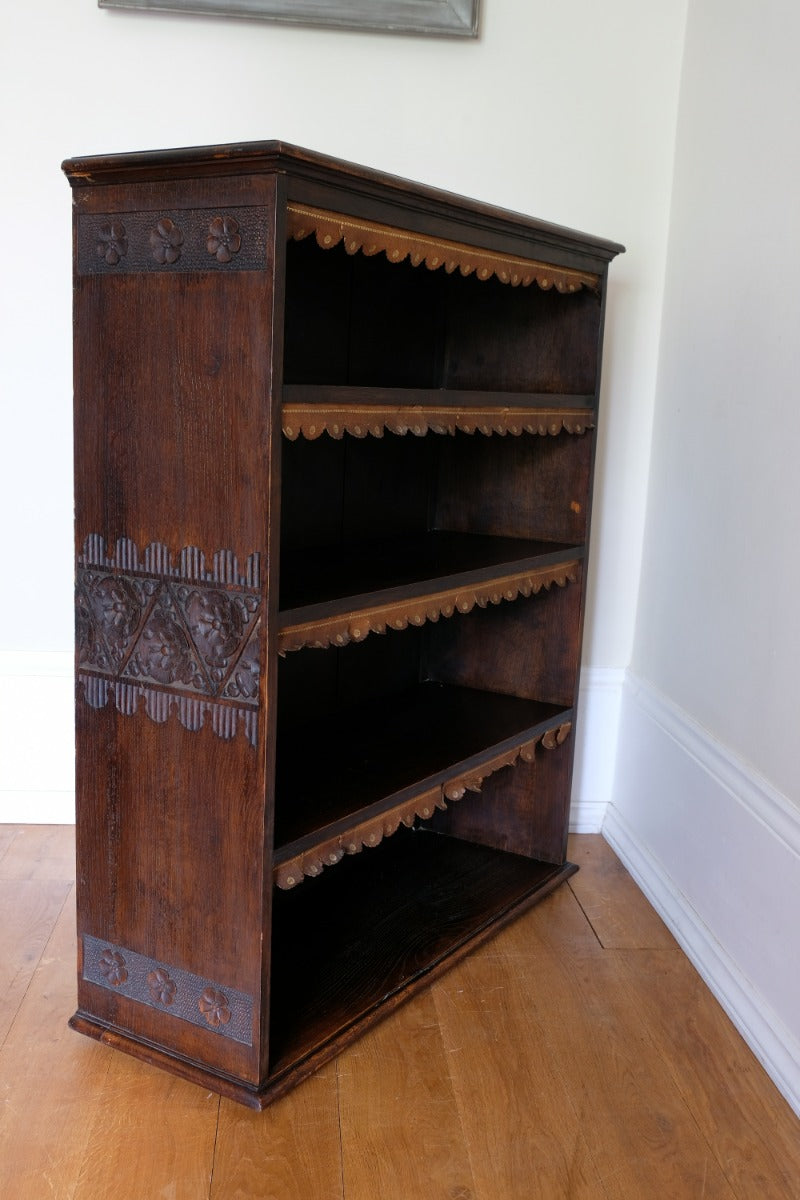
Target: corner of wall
716	850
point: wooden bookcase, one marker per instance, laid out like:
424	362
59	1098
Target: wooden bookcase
334	437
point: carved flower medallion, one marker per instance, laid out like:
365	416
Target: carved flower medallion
163	652
216	622
213	1005
112	242
112	967
162	989
224	239
165	241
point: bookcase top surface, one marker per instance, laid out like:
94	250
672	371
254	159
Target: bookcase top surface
277	157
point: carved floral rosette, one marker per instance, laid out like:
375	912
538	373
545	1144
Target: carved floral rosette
179	637
371	831
399	245
399	614
312	420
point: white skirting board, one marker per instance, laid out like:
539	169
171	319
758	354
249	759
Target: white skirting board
36	738
716	850
595	747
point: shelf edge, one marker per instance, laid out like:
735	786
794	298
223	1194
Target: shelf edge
368	831
339	629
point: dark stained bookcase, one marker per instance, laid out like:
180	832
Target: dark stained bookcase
334	441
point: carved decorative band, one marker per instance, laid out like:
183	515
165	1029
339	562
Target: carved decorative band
188	997
371	831
181	637
339	630
312	420
172	240
398	245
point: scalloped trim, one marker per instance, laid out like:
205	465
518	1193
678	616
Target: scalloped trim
370	238
339	630
312	420
191	711
370	833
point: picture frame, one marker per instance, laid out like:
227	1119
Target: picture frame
445	18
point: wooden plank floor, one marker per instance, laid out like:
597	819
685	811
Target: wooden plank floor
577	1054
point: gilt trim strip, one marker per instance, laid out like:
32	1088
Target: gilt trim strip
370	832
339	630
312	420
371	238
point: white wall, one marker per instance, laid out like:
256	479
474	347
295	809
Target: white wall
707	795
565	111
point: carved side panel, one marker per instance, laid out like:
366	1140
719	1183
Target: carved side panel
173	991
175	636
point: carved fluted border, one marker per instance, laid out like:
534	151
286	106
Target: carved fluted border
399	245
312	420
371	831
341	629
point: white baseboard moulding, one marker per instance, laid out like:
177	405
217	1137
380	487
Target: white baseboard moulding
596	729
716	850
36	774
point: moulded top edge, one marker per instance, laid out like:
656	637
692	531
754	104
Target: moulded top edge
278	157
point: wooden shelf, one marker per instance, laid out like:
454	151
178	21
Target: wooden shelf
310	411
334	595
381	923
401	757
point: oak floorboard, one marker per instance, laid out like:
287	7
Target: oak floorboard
40	852
641	1134
30	909
153	1135
754	1134
543	1065
402	1137
620	915
51	1080
291	1151
523	1135
7	835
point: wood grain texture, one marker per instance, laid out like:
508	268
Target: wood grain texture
38	852
51	1082
642	1136
290	1151
753	1137
402	1132
151	1136
611	900
7	835
30	909
522	1132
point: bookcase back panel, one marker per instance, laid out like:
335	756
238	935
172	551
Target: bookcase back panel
528	648
526	487
363	321
350	490
359	320
523	809
520	339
